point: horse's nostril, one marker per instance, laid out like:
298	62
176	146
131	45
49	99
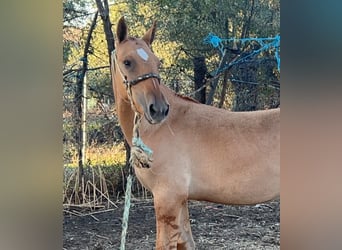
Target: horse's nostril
153	110
158	113
166	112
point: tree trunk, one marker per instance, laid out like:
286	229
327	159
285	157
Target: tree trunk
224	89
200	71
246	94
214	84
107	27
247	23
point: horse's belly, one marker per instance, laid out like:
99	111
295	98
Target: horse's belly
248	186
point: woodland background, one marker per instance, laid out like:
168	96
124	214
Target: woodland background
94	151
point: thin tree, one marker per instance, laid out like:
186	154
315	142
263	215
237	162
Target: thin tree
103	9
79	100
200	70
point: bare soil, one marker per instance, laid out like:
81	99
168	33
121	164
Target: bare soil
214	226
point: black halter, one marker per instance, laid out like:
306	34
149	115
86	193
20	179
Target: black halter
141	78
138	79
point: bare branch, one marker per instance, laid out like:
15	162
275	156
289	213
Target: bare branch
69	71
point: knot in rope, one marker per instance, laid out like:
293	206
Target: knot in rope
212	39
141	154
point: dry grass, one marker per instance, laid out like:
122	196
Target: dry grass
101	156
94	190
77	192
102	182
101	177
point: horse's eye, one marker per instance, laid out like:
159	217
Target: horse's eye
127	63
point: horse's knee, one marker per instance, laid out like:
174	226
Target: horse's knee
169	207
167	215
173	226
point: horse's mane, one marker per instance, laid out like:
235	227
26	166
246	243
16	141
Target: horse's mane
187	98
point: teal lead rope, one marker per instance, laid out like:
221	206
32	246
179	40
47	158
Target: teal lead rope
141	156
137	142
126	212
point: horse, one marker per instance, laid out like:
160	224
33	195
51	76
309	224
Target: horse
200	152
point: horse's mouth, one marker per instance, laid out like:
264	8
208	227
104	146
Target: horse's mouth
150	120
153	121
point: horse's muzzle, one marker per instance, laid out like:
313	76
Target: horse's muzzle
157	112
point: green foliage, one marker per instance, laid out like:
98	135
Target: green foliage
182	25
74	11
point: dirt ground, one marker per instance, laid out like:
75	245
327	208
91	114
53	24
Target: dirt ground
214	226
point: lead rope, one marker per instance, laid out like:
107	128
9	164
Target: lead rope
126	212
141	156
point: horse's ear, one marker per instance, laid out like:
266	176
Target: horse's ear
149	36
121	31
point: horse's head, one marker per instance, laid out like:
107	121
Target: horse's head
137	68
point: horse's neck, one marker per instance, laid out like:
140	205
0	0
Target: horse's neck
124	111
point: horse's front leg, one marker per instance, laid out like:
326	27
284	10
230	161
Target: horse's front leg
185	241
173	226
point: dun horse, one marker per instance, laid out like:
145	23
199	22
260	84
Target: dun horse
199	152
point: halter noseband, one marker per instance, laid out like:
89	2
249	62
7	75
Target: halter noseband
141	78
138	79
